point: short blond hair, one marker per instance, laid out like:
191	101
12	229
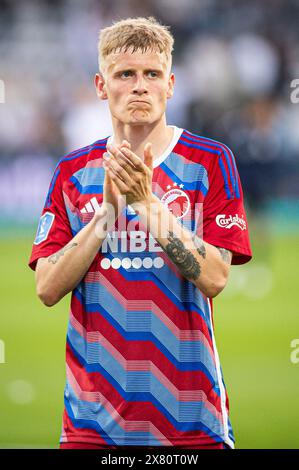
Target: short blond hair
144	34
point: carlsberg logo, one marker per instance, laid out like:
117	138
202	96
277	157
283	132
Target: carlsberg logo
230	221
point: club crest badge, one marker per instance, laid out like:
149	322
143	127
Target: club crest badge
177	201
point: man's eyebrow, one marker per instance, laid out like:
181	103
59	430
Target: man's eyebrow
153	69
132	69
123	69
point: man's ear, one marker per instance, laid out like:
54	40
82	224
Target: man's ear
171	82
100	85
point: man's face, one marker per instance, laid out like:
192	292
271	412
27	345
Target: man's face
137	86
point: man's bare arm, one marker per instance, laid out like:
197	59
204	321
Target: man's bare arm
205	265
59	273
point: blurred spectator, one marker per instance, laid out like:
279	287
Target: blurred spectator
234	62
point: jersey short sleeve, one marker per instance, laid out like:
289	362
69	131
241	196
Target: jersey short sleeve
224	219
53	231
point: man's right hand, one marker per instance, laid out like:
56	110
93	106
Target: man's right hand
111	194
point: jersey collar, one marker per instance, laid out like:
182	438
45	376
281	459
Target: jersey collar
177	132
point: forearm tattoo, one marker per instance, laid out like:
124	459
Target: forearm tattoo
182	258
201	249
225	255
55	257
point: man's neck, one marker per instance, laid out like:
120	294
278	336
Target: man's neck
159	135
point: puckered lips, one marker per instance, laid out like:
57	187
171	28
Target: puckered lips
139	102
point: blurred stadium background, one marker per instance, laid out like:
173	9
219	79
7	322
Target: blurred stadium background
234	62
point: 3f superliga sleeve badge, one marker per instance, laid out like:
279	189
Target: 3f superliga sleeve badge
44	226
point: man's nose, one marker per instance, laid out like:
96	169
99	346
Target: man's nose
140	85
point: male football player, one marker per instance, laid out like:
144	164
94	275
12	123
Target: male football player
142	227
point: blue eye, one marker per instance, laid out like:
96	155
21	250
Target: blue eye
126	73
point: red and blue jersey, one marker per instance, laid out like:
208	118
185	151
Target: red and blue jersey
141	358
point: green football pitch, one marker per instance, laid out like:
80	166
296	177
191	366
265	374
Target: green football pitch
256	318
